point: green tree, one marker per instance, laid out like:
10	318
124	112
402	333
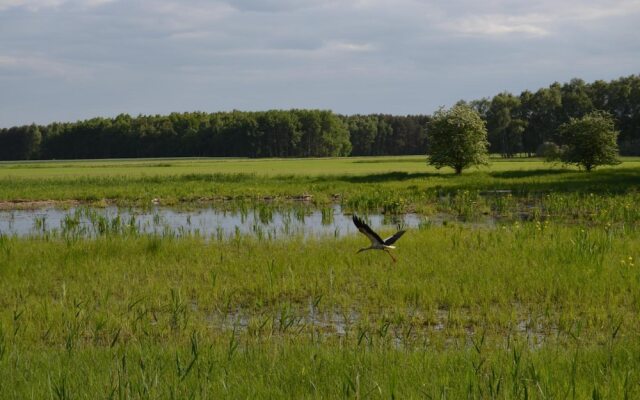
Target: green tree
362	132
540	110
575	99
20	143
589	141
457	138
505	128
335	136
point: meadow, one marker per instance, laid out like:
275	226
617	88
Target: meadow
397	184
542	305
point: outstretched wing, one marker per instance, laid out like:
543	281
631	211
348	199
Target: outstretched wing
368	232
392	239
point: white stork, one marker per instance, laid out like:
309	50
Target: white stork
376	242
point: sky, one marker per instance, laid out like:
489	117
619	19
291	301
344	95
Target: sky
66	60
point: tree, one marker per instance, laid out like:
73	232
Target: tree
335	136
505	128
481	106
589	141
20	143
457	138
363	130
575	99
540	110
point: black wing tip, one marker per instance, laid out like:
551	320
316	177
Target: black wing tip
394	238
357	220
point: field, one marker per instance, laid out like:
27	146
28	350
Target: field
542	304
394	184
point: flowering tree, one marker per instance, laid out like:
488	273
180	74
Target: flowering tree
457	138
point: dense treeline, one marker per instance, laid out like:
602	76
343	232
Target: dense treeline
523	123
299	133
376	135
276	133
516	124
242	134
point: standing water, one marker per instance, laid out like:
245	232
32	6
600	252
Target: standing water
208	222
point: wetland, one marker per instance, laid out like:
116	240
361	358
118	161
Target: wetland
511	282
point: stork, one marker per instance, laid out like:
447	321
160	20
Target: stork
376	241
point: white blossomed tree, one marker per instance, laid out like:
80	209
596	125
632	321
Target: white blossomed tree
457	138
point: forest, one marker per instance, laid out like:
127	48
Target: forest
516	124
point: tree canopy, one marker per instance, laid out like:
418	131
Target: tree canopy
515	124
457	138
589	141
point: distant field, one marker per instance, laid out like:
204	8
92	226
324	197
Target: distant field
182	166
266	167
388	184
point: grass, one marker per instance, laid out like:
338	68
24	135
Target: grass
542	308
263	167
383	184
543	305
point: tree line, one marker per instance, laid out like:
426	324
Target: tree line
275	133
458	139
515	125
522	124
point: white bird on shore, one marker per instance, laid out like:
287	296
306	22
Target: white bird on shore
376	241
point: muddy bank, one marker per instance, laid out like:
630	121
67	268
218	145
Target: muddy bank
36	204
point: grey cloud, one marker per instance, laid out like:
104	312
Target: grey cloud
76	59
277	5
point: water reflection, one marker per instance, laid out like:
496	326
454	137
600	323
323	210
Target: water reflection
263	222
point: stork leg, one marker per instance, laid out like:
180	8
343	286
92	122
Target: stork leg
390	255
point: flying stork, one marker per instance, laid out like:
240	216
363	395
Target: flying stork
376	242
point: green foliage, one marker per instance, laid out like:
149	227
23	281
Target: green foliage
387	134
457	139
395	184
538	308
505	125
549	151
274	133
20	143
589	141
514	124
363	131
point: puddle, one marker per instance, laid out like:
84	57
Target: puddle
400	332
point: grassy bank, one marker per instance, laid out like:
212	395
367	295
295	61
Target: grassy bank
384	184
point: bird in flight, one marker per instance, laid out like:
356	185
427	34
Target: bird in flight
376	241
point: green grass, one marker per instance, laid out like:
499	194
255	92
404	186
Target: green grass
543	305
545	308
262	167
378	183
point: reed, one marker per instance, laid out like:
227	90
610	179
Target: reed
527	309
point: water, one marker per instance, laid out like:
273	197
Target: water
400	331
207	222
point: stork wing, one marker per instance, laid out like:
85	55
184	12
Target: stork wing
368	232
392	239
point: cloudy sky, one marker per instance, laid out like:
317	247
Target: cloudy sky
64	60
